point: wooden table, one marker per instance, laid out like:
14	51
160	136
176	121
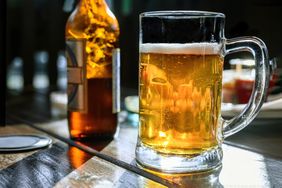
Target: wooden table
252	158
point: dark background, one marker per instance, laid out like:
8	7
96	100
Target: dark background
34	25
2	60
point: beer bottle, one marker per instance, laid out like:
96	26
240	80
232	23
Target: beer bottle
92	52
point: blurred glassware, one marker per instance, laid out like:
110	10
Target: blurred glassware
62	71
58	102
68	5
132	107
58	99
40	79
15	80
273	65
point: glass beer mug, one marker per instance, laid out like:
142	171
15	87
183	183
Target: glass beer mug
180	83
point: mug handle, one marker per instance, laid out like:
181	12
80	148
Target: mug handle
258	49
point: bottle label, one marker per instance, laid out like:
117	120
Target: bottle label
76	75
116	79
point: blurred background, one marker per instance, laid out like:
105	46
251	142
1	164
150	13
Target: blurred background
35	39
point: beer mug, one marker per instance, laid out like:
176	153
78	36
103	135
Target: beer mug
180	83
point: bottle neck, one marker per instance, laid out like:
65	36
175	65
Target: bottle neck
94	5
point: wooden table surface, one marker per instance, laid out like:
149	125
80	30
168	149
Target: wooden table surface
252	158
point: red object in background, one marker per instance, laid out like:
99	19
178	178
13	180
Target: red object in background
244	88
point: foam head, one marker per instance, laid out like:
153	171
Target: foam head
177	48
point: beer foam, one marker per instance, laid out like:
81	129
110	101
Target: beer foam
178	48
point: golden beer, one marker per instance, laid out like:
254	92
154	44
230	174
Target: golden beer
180	97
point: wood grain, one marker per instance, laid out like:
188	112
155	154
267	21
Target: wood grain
7	159
240	168
41	169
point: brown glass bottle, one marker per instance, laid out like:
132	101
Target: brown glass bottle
92	33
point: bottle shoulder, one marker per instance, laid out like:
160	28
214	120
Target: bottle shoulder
100	31
82	21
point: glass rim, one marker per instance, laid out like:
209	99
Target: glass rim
182	14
